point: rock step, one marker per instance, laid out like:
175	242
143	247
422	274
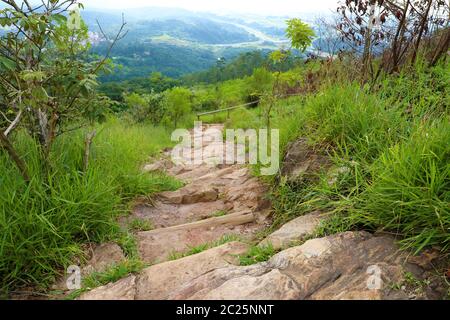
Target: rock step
190	194
156	246
164	215
337	267
222	190
294	231
185	218
157	281
350	265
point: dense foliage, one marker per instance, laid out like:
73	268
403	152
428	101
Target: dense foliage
140	59
242	66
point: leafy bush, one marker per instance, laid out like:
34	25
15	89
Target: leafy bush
148	107
178	104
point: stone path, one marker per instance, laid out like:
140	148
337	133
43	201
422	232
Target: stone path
222	200
217	201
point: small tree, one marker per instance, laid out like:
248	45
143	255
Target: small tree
137	106
148	107
277	58
178	103
259	84
47	82
156	107
301	36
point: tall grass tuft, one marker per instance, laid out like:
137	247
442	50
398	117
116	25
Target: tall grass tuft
394	144
410	191
44	225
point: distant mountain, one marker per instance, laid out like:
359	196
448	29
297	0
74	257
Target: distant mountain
154	13
196	30
140	60
182	25
177	41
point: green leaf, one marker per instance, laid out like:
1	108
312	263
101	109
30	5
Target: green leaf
40	94
7	63
300	34
30	75
4	22
59	18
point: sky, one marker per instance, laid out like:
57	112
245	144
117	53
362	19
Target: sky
272	7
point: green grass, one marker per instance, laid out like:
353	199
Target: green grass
398	168
409	193
137	225
256	255
43	225
110	275
394	144
219	214
127	241
393	139
203	247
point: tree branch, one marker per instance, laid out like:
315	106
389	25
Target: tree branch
13	124
15	157
87	149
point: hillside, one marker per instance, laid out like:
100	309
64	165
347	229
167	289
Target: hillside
178	42
197	156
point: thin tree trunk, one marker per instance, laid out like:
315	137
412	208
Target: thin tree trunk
397	45
368	43
421	31
442	48
15	157
87	149
51	138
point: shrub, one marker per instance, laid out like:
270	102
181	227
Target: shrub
178	103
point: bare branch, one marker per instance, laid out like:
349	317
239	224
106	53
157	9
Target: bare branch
119	36
13	124
87	149
4	141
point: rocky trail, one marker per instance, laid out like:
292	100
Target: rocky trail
220	201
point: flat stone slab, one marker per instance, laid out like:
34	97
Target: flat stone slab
331	268
346	266
294	231
156	246
158	281
124	289
164	215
